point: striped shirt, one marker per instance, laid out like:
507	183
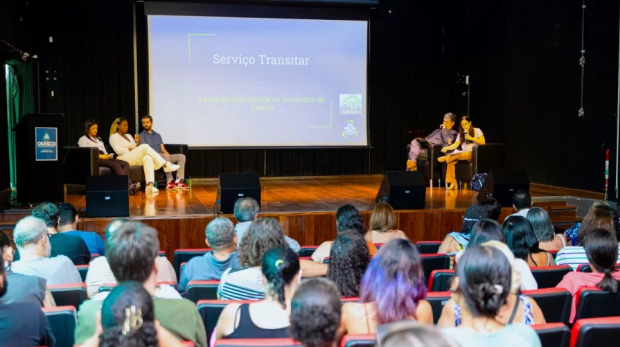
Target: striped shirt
573	256
241	284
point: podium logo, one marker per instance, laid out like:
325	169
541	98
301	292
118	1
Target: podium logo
350	130
350	103
46	141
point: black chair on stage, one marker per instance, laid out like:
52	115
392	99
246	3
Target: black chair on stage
483	159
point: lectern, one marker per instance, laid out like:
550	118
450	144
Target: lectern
39	163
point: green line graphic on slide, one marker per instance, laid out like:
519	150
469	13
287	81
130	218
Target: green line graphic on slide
189	44
331	118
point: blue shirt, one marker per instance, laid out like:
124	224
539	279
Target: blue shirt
205	268
93	241
152	139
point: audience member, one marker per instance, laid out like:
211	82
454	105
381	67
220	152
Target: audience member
34	245
523	243
316	313
493	208
600	217
221	237
602	252
480	288
22	323
543	228
99	272
268	318
486	230
518	308
392	290
70	246
521	202
6	251
246	212
382	224
348	261
347	218
458	241
68	223
571	233
132	252
412	334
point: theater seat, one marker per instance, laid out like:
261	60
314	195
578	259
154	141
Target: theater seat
439	279
184	255
428	247
210	310
307	251
83	270
358	340
202	290
378	245
554	254
592	302
553	334
62	321
549	276
257	343
599	332
437	301
555	303
71	294
431	262
106	287
588	268
354	299
326	260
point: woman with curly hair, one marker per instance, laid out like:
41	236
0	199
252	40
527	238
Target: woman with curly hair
268	318
315	313
348	261
392	290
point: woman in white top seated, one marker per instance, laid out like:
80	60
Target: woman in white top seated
119	167
468	137
128	150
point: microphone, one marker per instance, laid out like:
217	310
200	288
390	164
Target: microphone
465	133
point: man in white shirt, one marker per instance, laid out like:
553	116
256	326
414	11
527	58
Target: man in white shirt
521	202
35	248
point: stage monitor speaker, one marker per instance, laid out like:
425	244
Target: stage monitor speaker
403	190
107	196
503	184
235	186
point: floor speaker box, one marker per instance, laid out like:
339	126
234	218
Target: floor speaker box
403	190
235	186
503	184
107	196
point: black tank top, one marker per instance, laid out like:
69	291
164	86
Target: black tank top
248	330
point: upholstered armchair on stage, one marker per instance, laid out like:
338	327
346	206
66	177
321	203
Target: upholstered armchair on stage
483	159
81	162
432	168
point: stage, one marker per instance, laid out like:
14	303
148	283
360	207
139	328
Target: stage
305	206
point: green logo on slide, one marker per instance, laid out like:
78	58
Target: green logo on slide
350	103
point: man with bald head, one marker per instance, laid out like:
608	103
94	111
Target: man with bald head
33	242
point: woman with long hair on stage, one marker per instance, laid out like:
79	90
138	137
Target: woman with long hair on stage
128	150
467	139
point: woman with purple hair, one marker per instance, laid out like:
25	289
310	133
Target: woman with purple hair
392	290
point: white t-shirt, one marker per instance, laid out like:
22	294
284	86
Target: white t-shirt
86	141
467	147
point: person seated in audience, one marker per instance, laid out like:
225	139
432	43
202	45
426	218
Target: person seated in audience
268	318
601	217
348	261
523	243
24	288
100	273
22	323
67	225
543	228
571	233
493	208
132	252
602	252
68	245
34	244
222	239
522	203
245	282
392	290
524	308
246	211
382	224
412	334
458	241
315	313
128	319
480	288
347	218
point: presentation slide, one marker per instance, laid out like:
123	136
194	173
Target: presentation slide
256	82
